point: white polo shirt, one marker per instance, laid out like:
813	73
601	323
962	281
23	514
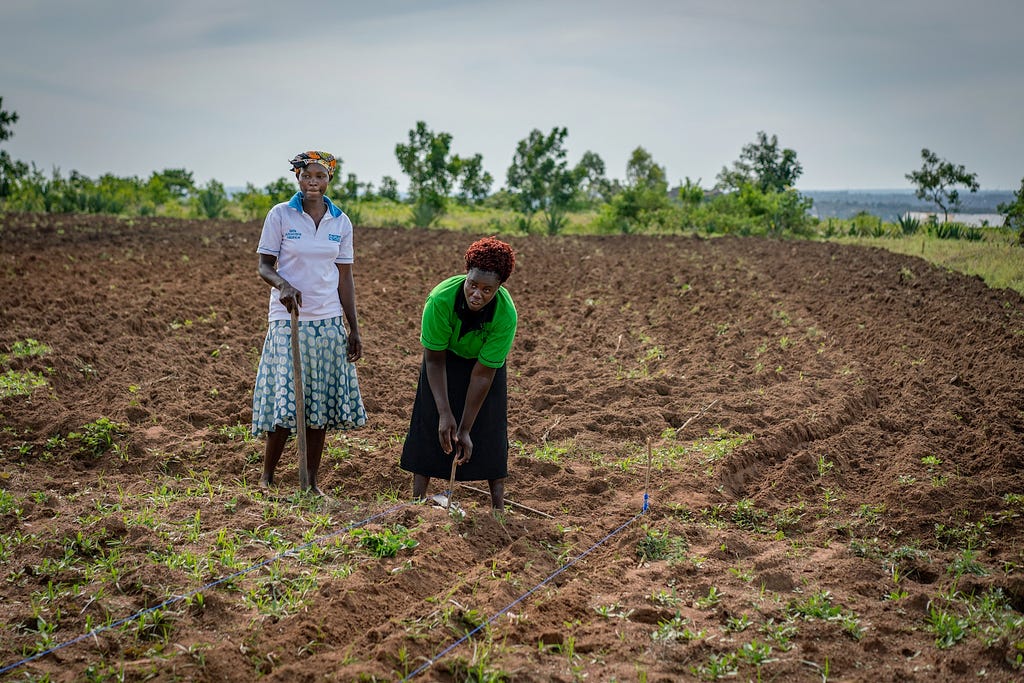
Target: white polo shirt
307	256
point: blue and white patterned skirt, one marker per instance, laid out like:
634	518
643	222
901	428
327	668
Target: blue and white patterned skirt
329	380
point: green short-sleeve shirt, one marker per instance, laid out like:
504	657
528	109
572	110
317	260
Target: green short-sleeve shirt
442	326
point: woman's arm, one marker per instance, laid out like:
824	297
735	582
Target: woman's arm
347	294
479	384
268	271
436	365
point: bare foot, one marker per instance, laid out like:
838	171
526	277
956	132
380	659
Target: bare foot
266	482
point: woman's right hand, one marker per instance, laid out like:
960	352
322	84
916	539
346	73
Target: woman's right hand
447	429
290	297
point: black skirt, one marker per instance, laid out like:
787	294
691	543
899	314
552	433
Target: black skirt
422	452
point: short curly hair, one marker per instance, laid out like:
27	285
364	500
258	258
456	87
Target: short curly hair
491	255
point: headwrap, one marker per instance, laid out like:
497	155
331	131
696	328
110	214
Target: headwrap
314	157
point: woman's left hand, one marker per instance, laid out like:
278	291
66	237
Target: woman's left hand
355	347
463	448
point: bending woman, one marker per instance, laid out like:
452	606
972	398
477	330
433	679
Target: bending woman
461	408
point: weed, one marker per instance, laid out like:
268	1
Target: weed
816	606
737	624
27	349
676	628
748	517
386	542
717	445
947	627
712	599
13	383
756	653
780	633
9	504
967	536
719	665
666	598
96	438
548	452
613	610
742	573
238	432
824	466
660	545
966	563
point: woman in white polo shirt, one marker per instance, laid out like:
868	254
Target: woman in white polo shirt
305	255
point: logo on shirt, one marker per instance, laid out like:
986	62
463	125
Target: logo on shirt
334	238
293	234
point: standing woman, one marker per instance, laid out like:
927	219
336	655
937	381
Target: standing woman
461	408
306	257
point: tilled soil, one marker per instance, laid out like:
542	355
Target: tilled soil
809	421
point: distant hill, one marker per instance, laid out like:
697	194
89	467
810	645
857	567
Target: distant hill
888	204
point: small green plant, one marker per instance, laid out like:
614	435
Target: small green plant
737	624
756	653
712	599
666	598
238	432
96	438
548	452
613	610
387	542
676	628
948	628
13	383
824	466
749	517
660	545
719	665
966	563
780	633
816	606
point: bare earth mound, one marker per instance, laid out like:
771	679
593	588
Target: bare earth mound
848	507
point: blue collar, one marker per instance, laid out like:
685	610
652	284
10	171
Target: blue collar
296	203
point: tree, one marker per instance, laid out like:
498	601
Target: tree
937	179
474	182
7	119
211	200
643	173
281	190
388	188
1014	212
10	170
763	165
540	179
594	186
432	170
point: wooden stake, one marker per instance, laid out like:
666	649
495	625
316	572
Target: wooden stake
647	483
300	403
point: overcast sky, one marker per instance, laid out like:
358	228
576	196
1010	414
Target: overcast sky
231	89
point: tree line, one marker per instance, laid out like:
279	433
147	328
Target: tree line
756	194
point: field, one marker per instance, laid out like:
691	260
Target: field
831	439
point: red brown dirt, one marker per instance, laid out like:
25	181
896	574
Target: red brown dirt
847	366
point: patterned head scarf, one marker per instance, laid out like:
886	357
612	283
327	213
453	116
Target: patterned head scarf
314	157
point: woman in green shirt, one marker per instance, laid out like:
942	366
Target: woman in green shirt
461	408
